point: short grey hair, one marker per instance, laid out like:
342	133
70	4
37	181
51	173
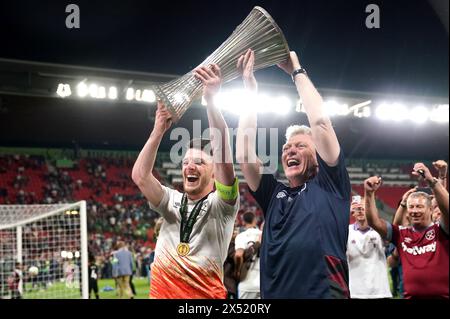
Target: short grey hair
419	195
297	130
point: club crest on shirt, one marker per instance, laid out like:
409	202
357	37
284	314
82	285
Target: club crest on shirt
430	235
281	195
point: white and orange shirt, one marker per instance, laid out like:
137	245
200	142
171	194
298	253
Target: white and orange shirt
199	274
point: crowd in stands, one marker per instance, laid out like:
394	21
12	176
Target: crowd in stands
117	211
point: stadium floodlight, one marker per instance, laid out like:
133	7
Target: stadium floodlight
39	235
223	101
343	109
130	94
239	102
82	89
440	114
263	103
383	111
138	95
101	92
330	107
358	109
283	104
242	102
399	112
64	90
149	96
93	90
419	115
112	93
280	105
77	254
366	111
333	108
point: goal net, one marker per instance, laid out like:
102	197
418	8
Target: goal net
43	251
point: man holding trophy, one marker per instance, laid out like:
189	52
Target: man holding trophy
303	252
198	224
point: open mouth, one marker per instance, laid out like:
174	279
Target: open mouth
416	216
292	163
192	178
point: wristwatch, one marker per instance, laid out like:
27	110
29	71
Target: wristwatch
298	71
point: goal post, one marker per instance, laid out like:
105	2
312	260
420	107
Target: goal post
45	248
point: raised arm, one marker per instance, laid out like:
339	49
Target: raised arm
441	166
246	156
401	210
220	140
323	134
142	170
371	185
439	191
242	255
393	260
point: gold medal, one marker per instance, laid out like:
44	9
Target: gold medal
183	249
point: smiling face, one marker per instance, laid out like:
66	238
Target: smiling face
299	159
358	212
419	211
197	171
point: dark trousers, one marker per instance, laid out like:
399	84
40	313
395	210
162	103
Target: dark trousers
93	286
133	290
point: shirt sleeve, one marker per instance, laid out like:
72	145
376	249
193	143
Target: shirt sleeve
393	233
334	179
240	242
264	193
219	206
442	227
164	208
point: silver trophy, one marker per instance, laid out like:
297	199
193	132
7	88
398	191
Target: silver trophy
258	32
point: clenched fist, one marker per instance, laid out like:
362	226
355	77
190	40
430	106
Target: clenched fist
372	184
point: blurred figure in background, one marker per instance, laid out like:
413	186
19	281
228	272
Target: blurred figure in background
366	258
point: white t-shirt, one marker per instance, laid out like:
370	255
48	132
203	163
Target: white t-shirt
243	240
200	273
367	264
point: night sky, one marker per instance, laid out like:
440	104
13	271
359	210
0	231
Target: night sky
407	55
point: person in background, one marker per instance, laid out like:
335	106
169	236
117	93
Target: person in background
247	269
423	247
93	277
15	282
124	269
366	258
229	278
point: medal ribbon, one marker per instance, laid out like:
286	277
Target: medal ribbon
187	224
